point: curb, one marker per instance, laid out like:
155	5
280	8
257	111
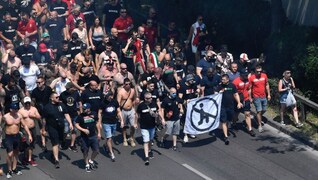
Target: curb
291	132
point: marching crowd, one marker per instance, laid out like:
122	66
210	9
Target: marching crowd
75	73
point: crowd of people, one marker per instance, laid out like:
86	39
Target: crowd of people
75	73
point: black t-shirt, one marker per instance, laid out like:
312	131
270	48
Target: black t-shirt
8	29
117	45
60	8
41	58
112	13
109	112
228	95
154	95
188	91
23	51
71	101
169	80
89	14
55	29
75	48
180	70
210	83
146	121
84	80
94	98
171	109
66	53
88	121
54	114
42	98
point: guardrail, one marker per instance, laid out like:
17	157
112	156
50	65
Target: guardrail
303	103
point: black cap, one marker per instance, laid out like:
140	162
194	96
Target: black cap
244	72
191	69
83	46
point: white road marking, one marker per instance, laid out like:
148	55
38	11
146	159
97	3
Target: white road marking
196	172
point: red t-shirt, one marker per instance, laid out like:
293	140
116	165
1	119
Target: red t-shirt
121	24
71	21
242	87
258	85
151	34
29	27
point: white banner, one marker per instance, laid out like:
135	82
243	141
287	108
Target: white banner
203	114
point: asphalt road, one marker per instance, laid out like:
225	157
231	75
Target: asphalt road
270	155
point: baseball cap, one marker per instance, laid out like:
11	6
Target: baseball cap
86	106
83	46
244	72
191	69
44	35
244	57
26	99
14	106
42	48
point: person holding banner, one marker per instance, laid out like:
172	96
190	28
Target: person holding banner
172	109
285	86
227	106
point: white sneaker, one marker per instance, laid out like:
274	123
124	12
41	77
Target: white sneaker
260	129
282	123
185	139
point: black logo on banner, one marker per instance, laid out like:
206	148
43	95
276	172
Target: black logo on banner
203	114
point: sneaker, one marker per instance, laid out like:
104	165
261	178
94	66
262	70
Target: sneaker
87	168
152	143
260	129
147	162
185	139
282	123
125	143
299	125
174	148
132	143
73	148
57	164
9	175
150	155
33	163
92	165
17	172
112	157
252	133
226	141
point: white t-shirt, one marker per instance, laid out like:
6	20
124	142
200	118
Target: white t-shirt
60	86
29	75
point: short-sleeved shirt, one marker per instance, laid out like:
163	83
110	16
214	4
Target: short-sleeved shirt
121	24
94	98
210	83
55	29
111	13
54	114
109	112
71	102
154	95
170	106
25	51
88	121
242	87
146	121
258	85
228	95
8	29
29	75
29	27
204	64
188	91
60	8
41	97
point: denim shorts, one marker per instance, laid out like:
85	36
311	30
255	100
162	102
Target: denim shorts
260	104
147	134
283	98
173	127
109	130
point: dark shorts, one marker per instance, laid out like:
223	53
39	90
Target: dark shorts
12	142
89	142
226	115
56	134
33	134
246	107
